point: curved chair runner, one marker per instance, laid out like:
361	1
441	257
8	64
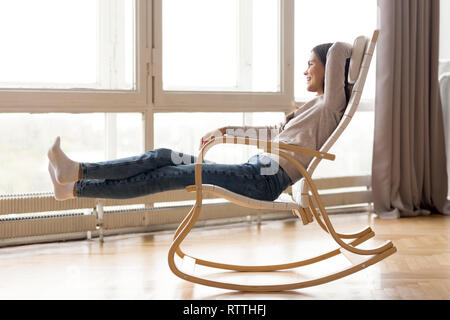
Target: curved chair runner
305	206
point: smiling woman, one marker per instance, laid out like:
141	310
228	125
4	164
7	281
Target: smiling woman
337	28
356	162
263	177
316	68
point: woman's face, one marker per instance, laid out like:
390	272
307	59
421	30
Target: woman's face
315	74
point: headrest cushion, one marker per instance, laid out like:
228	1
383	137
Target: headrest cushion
359	47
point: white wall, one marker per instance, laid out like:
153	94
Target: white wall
444	49
444	80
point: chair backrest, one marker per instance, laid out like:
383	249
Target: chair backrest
362	52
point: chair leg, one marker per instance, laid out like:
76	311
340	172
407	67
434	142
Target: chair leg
328	227
288	286
359	238
309	214
338	237
362	237
189	222
312	207
371	256
301	214
181	227
277	267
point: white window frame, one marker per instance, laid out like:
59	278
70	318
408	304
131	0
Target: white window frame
92	100
149	99
229	101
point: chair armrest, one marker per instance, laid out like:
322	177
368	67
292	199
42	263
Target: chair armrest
268	145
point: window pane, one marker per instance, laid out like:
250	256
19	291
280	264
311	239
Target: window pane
130	138
182	132
444	31
221	45
334	24
263	118
26	139
67	44
351	160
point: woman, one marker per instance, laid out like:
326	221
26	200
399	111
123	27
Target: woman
263	176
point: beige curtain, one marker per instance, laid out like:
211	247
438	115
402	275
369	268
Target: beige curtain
409	174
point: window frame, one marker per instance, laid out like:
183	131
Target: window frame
165	101
92	100
148	29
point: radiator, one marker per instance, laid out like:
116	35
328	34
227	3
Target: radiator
39	216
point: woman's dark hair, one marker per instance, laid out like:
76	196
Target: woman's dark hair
321	52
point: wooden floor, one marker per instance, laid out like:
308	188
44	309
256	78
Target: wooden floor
135	266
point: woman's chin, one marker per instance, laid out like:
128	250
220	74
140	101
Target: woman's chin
311	89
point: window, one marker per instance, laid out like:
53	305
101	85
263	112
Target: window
84	138
90	54
67	44
227	53
241	51
113	76
124	135
182	132
351	161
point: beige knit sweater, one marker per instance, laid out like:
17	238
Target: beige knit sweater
311	124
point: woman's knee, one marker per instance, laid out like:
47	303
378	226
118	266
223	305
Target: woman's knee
162	150
177	158
163	153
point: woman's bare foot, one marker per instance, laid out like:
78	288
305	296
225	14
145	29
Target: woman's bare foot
62	191
66	170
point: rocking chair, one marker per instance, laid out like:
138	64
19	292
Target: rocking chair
307	204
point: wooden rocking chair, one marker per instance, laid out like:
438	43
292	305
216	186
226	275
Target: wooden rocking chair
307	206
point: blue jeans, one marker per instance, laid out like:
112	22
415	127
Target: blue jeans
163	169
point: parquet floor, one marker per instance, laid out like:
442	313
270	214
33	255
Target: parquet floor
134	266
